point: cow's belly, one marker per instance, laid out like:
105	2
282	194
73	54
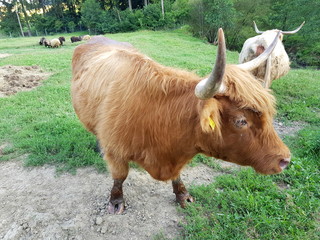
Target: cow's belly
162	170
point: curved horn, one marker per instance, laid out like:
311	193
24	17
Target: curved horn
256	28
294	31
208	87
256	62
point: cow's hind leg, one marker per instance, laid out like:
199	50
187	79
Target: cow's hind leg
182	195
119	171
116	202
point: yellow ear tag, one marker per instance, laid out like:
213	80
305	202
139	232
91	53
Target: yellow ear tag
211	123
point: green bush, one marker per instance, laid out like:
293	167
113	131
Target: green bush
115	21
129	21
180	9
302	53
109	23
310	56
152	18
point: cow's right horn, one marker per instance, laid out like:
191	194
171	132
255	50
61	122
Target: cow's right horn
294	31
256	62
208	87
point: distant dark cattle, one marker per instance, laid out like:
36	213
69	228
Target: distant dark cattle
62	39
76	39
42	40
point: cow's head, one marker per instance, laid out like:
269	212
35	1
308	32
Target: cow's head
237	112
269	34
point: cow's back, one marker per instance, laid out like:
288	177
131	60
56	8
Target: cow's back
92	76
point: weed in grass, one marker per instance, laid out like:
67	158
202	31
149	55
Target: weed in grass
6	152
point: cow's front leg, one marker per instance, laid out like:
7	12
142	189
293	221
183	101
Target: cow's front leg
119	170
182	195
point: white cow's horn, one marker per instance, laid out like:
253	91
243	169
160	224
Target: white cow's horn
294	31
256	28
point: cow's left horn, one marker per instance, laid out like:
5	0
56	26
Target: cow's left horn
294	31
256	28
208	87
256	62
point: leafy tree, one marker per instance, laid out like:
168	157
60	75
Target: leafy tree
91	15
181	9
71	26
220	14
206	16
303	47
248	11
152	17
58	25
45	24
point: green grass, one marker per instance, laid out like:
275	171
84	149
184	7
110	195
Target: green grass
298	96
42	126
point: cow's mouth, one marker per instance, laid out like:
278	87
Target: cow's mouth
284	163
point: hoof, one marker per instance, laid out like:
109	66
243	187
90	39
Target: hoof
116	207
183	199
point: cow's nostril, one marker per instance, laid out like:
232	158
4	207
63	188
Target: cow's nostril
284	163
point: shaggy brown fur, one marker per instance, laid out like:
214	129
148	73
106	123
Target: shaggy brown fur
144	112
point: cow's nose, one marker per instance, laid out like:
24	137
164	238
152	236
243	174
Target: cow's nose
284	163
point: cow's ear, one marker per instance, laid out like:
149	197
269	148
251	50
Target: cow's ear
260	49
210	116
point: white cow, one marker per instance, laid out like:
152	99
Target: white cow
278	63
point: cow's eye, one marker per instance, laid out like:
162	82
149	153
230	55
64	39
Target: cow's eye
241	122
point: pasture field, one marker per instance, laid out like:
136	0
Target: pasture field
240	204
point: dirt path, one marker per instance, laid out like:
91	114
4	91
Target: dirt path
37	204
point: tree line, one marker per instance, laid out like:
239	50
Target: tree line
203	18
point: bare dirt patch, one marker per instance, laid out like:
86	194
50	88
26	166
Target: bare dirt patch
37	204
4	55
290	129
14	79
